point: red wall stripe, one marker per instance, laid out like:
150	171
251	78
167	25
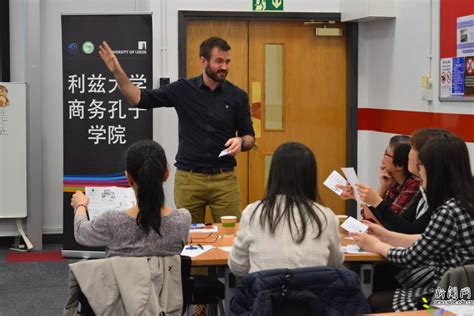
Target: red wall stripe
405	122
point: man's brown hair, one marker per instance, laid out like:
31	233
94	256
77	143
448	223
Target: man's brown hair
207	45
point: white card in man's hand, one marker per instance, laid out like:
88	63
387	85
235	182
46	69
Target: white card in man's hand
354	226
224	152
334	179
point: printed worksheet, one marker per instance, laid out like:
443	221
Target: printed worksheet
103	199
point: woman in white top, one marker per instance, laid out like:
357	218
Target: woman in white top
287	228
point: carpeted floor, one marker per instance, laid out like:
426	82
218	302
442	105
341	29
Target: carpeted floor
33	283
33	288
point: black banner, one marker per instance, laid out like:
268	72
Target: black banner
98	124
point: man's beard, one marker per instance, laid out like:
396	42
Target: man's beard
214	74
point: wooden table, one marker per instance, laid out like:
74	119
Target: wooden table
218	257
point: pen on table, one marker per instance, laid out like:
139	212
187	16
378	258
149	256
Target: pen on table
200	246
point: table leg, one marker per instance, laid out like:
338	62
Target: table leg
366	275
230	284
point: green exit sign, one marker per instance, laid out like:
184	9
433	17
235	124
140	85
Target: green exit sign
267	5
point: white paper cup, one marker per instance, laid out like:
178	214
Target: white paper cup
228	224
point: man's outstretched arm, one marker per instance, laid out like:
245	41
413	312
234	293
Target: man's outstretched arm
128	89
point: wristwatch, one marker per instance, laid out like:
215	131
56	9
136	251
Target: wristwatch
243	143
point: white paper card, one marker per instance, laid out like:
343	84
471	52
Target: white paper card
193	250
353	180
103	199
226	249
224	152
354	226
334	179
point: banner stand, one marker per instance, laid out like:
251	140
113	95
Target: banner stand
98	124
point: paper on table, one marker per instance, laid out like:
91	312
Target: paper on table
456	309
334	179
353	180
193	251
197	225
353	249
226	249
354	226
214	229
224	152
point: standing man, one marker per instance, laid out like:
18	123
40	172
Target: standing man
213	115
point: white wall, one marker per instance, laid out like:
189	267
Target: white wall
393	55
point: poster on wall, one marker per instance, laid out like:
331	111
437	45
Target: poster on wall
98	124
456	75
13	150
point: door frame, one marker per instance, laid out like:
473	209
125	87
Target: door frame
352	61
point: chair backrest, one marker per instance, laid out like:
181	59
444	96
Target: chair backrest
128	285
297	302
187	281
303	291
456	283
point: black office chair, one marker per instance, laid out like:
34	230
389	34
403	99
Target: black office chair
83	307
187	282
200	289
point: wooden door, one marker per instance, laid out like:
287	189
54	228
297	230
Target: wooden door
313	93
314	100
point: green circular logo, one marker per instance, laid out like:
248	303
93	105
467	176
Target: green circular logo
88	48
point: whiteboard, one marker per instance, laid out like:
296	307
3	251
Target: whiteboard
12	150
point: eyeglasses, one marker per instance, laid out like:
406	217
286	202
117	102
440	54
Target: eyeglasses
387	154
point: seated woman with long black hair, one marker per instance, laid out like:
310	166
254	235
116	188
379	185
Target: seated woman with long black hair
447	241
287	228
150	228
